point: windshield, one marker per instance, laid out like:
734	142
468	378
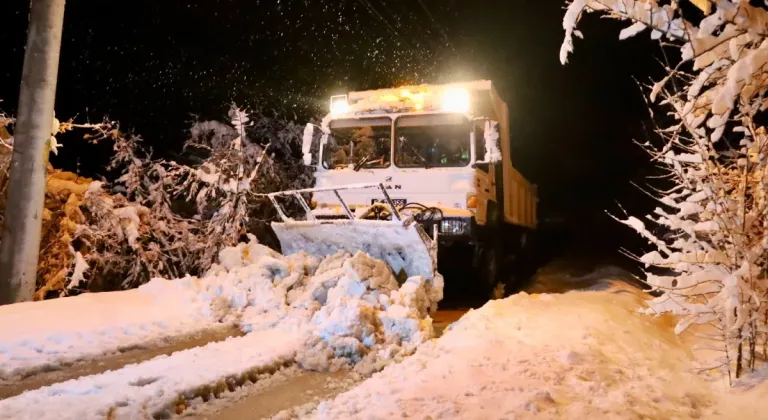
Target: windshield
430	141
364	143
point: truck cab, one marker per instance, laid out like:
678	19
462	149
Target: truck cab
441	152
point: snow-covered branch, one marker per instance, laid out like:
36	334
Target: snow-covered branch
715	154
102	235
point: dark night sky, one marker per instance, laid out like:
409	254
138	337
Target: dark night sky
152	63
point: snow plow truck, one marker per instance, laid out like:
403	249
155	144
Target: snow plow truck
415	176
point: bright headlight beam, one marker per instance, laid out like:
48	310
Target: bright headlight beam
455	100
339	104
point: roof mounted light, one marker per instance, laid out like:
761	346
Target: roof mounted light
339	104
455	99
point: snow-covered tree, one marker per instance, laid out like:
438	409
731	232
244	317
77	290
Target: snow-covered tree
240	161
222	182
100	235
715	153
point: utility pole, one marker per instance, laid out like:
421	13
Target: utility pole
20	248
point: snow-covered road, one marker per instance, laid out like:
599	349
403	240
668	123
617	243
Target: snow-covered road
578	354
161	385
42	336
342	312
584	353
338	339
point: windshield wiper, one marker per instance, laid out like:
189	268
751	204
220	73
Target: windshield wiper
360	163
415	152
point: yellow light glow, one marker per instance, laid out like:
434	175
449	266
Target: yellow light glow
455	100
471	201
417	98
339	104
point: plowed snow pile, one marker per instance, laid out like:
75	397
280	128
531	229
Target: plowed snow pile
344	311
350	307
576	355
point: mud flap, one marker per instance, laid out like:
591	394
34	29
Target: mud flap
403	246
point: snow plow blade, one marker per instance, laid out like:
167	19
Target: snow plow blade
402	247
402	244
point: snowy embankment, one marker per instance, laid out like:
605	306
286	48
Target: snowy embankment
575	355
161	385
344	311
40	336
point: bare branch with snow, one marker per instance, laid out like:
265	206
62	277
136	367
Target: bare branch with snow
716	154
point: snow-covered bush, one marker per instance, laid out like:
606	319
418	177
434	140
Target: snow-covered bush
257	153
103	236
715	155
168	241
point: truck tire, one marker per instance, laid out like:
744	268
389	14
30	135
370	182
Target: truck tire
490	268
492	216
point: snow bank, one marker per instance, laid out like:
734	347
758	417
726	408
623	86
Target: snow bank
253	287
44	335
577	355
349	307
344	311
149	389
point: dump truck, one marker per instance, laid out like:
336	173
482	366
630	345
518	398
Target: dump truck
418	176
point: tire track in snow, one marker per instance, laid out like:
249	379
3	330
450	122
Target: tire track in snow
123	358
161	386
293	392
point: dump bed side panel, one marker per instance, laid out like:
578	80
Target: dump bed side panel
520	197
519	200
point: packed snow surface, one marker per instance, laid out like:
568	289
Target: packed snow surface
342	311
577	355
146	389
43	335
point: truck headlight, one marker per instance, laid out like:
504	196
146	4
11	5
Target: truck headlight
455	100
339	104
453	226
